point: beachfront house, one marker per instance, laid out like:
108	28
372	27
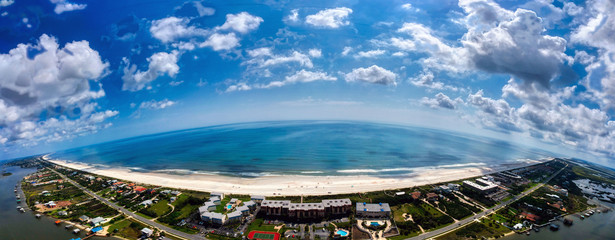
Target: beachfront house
50	204
306	210
373	210
215	200
84	218
147	232
431	197
481	186
416	195
97	221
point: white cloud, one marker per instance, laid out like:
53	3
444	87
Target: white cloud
65	6
330	18
160	63
41	96
242	22
315	53
346	51
442	101
263	57
301	76
293	16
219	42
238	87
6	3
406	6
373	74
370	54
202	10
175	83
153	104
172	28
426	79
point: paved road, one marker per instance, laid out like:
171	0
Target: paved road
469	220
143	220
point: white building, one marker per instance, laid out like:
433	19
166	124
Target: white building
147	232
217	194
234	216
373	210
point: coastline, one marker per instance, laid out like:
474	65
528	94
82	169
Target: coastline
295	185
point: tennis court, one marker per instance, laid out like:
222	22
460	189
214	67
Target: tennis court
260	235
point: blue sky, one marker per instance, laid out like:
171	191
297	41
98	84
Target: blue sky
539	73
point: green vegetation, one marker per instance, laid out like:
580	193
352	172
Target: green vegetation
259	225
423	214
487	228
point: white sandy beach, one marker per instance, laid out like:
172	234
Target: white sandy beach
293	185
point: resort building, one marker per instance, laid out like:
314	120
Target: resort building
245	210
306	210
257	198
213	217
234	216
337	206
250	204
373	210
481	186
217	194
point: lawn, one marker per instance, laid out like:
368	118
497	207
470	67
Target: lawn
259	225
119	225
487	228
161	208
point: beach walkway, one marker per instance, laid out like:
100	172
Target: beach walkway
466	221
143	220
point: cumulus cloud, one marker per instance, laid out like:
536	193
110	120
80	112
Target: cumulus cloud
427	80
172	28
65	6
346	51
315	53
264	57
47	96
597	31
301	76
6	3
160	63
330	18
293	17
238	87
220	42
441	101
242	22
370	54
373	74
153	104
202	10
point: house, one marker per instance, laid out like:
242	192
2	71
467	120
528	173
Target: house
84	218
215	200
96	229
518	226
147	232
416	195
62	213
50	204
217	194
146	203
173	199
432	197
453	186
257	198
373	210
139	189
97	221
175	193
233	200
400	193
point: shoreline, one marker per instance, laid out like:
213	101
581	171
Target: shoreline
295	185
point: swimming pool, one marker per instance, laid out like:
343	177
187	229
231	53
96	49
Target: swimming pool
342	233
229	207
375	224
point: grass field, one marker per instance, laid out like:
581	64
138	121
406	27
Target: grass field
259	225
161	208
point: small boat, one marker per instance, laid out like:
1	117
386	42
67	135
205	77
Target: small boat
37	215
536	229
58	222
567	221
18	207
527	233
22	210
15	190
582	217
598	211
68	226
554	227
76	230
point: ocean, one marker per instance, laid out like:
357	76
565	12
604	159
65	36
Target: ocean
300	147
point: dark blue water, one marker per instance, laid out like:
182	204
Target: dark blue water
300	147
